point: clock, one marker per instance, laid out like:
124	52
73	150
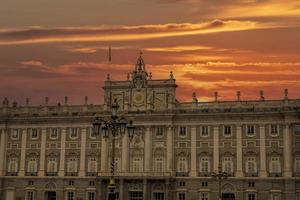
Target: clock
138	98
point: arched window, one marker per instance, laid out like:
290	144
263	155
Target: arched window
227	165
275	166
182	164
72	165
137	164
13	165
251	166
159	163
52	165
204	164
32	165
92	165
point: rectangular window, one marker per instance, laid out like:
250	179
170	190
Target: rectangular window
15	134
227	131
251	196
159	132
251	165
74	133
137	164
91	196
250	130
34	133
297	164
228	165
204	131
158	195
275	165
275	196
29	195
204	196
181	196
204	164
274	130
135	195
53	133
70	195
182	131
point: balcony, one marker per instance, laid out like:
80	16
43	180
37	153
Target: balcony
275	174
91	173
182	174
71	173
137	174
251	174
51	173
203	174
31	173
11	173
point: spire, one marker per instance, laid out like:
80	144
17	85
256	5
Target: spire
140	64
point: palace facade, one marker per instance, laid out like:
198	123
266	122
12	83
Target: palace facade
49	152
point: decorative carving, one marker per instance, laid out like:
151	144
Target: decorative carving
135	186
50	186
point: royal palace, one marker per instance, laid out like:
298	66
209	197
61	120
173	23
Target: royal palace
244	150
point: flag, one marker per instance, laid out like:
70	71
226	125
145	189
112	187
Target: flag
109	54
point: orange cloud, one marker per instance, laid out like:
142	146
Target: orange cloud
123	33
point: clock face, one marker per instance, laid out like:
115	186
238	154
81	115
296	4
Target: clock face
138	97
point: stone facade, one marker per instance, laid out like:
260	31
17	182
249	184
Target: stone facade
49	152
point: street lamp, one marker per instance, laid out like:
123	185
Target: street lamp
112	128
219	175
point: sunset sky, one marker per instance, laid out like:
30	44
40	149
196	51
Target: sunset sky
59	48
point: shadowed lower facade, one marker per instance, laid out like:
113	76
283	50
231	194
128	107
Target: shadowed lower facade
49	152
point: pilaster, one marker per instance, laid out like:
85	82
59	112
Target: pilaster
82	152
148	150
170	149
104	156
216	150
262	146
2	151
193	151
62	152
42	154
125	153
23	152
287	141
239	152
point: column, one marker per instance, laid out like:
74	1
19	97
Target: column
239	152
82	152
216	148
125	153
262	149
23	152
121	190
145	189
287	148
2	151
169	149
104	157
43	152
193	151
62	152
148	150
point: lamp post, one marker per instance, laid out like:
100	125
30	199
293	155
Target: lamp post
219	175
112	127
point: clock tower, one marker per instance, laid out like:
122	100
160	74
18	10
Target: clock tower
139	92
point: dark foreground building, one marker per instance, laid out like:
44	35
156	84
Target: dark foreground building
49	152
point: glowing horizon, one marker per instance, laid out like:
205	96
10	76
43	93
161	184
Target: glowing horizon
237	45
